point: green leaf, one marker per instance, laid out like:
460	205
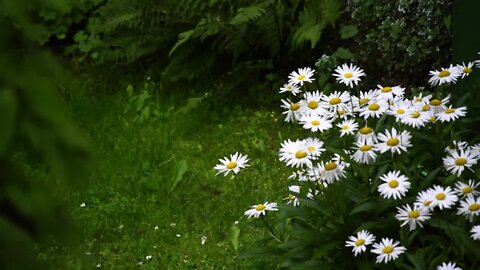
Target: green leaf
343	53
8	110
180	169
182	38
235	237
369	205
247	14
348	31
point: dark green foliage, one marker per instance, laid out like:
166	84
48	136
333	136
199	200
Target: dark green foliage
400	41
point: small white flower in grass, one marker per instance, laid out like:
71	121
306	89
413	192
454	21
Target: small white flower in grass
457	161
448	266
469	207
475	232
451	114
365	151
416	118
234	164
394	141
366	133
82	205
314	147
155	228
412	217
444	75
387	250
389	92
178	235
204	239
288	87
463	189
348	75
148	257
360	242
442	197
292	198
98	265
374	109
292	110
395	185
347	127
465	69
260	209
315	123
301	76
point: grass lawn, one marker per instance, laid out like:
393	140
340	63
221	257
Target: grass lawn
153	191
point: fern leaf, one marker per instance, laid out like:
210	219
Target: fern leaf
247	14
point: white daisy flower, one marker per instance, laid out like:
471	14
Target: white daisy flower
366	133
314	147
395	185
348	75
393	141
301	76
469	207
365	151
420	100
289	87
336	101
364	98
388	92
295	154
442	197
292	110
315	123
454	146
465	69
236	162
330	171
374	109
457	161
360	242
387	250
462	189
347	127
437	105
291	197
448	266
416	118
451	114
412	217
445	75
424	199
260	209
312	104
475	232
400	109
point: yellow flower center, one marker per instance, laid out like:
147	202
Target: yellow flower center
295	106
348	75
365	148
363	101
300	154
400	111
359	242
426	203
393	183
425	108
330	166
474	207
433	119
374	107
335	101
415	115
460	161
231	165
260	207
435	102
341	112
313	104
311	148
440	196
301	77
386	89
365	130
467	190
449	110
444	73
467	70
413	214
388	249
315	123
393	142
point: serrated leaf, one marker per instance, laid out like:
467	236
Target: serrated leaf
247	14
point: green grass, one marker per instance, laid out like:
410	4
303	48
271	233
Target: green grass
154	192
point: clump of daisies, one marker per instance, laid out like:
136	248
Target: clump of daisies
367	139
